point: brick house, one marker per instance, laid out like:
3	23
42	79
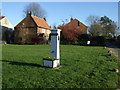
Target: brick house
72	29
6	29
30	29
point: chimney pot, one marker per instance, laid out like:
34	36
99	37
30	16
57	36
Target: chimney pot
71	19
29	13
44	19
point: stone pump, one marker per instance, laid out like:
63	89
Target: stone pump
54	59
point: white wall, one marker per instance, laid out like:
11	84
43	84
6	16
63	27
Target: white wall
46	31
5	22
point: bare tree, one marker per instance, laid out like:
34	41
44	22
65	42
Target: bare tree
64	21
36	10
101	26
112	28
93	19
109	26
95	29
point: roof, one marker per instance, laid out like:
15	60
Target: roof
73	24
1	17
40	22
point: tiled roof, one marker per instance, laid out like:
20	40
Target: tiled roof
40	22
73	24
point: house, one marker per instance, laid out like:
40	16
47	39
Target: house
6	29
72	29
32	29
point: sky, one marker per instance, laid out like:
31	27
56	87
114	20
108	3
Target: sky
58	11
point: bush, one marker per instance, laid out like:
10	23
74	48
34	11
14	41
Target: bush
98	41
82	39
118	40
37	40
83	43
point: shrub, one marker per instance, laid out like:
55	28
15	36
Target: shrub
98	41
37	40
83	38
118	40
83	43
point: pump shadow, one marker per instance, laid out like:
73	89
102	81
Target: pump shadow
22	63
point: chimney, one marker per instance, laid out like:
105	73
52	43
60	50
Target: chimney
71	19
44	19
29	13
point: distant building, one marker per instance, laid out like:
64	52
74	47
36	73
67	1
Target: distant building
73	28
6	29
32	29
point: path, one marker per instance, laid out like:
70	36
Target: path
114	49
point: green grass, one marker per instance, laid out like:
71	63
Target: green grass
81	67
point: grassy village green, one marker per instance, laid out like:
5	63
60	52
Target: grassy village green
81	67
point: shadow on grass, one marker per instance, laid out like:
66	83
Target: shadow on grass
22	63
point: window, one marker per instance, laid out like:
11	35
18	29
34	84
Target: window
43	30
40	35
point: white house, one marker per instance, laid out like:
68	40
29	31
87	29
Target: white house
5	29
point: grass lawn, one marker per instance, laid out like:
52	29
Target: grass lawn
81	67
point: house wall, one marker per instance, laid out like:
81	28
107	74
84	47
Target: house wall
6	23
46	32
6	30
25	31
24	35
